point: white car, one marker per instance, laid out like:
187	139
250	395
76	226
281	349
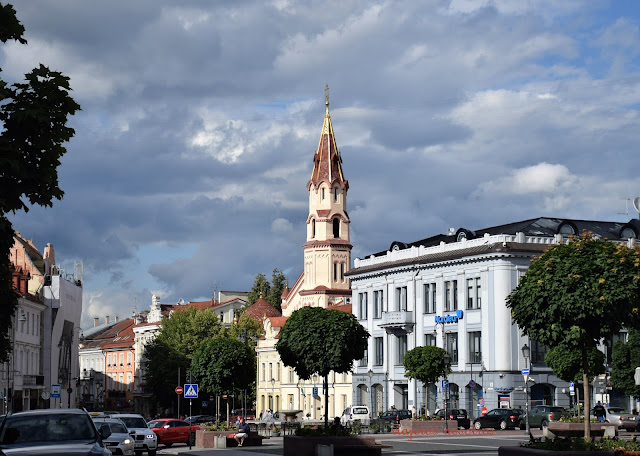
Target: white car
356	412
119	442
144	438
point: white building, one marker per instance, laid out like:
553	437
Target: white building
450	291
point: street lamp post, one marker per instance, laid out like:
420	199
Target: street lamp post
526	352
447	360
370	391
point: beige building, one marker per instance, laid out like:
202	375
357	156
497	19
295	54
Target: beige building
327	258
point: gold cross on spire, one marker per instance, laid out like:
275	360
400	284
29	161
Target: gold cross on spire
326	95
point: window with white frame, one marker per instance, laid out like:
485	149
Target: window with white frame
450	295
475	352
378	301
401	298
379	348
362	308
364	360
478	293
452	346
430	340
402	348
429	298
473	293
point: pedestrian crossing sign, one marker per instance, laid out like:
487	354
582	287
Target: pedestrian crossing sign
191	390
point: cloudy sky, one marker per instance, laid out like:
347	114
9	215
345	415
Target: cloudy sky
199	122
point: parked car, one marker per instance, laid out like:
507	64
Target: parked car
119	442
541	415
170	431
200	419
460	415
620	417
144	438
395	416
52	431
355	412
499	419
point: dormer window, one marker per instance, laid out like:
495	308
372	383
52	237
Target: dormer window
628	233
567	229
461	235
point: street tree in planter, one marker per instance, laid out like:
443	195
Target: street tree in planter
426	364
315	340
33	115
577	294
224	364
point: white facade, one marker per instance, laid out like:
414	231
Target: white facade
451	291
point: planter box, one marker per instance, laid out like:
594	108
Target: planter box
295	445
426	427
561	429
207	439
519	451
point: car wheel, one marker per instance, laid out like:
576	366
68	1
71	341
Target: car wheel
152	452
168	444
477	425
503	425
138	452
544	424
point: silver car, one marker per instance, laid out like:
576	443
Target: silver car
620	417
144	438
119	442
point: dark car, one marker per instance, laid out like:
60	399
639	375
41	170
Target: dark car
499	419
199	419
459	415
52	432
541	415
395	416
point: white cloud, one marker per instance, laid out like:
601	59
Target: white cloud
537	179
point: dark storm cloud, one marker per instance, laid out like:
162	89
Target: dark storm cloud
200	120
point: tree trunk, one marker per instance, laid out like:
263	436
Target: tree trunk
587	401
325	386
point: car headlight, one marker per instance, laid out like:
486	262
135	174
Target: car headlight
126	442
151	436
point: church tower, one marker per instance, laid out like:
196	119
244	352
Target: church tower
327	252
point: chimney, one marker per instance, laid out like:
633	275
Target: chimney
106	320
96	321
117	319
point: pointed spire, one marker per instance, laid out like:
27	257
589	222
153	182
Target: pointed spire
327	163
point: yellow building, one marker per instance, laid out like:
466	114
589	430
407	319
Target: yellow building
327	258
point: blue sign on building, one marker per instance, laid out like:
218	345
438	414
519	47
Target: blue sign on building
449	318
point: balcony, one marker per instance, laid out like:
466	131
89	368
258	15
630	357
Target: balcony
33	380
398	322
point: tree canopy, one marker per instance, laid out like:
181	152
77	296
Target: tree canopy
270	292
577	294
566	362
224	365
172	350
315	340
426	364
624	360
34	118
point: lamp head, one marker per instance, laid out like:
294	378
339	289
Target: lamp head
526	351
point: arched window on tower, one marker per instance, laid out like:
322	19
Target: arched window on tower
335	194
336	227
322	194
313	228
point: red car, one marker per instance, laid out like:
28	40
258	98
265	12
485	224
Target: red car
170	431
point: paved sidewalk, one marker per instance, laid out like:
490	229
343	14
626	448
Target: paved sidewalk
272	446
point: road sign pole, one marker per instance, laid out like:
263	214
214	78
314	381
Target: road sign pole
190	415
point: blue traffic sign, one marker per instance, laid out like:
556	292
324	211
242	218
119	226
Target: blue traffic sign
191	390
55	390
445	385
525	371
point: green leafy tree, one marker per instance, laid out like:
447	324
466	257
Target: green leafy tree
624	360
578	294
426	364
245	329
172	350
566	362
261	287
270	292
34	118
317	341
224	365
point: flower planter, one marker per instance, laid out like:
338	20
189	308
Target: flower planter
207	439
426	427
295	445
520	451
562	429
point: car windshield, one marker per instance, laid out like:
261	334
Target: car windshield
118	428
155	424
133	422
616	410
46	428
